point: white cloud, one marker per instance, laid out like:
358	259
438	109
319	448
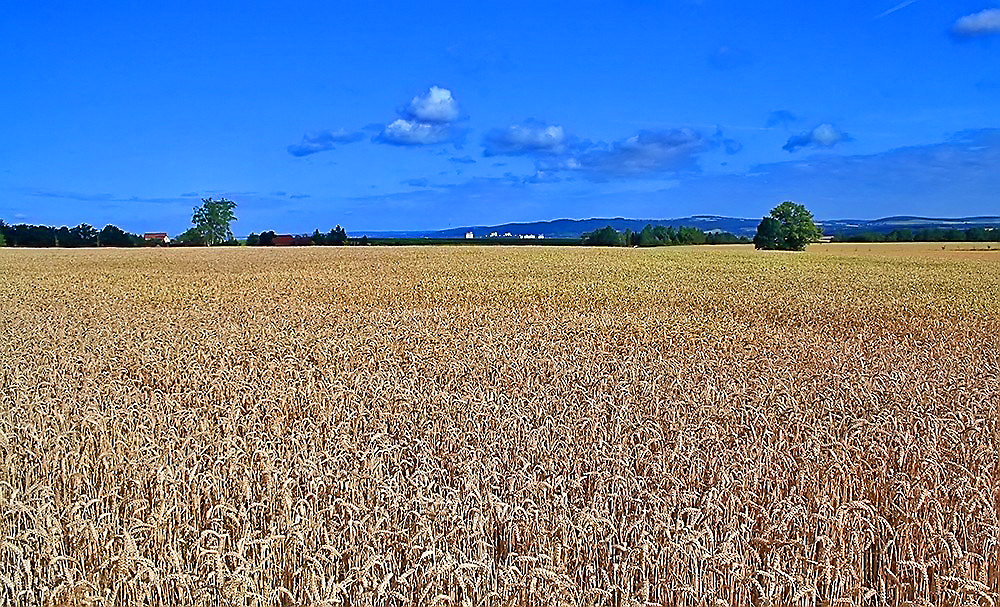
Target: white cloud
979	24
410	132
436	106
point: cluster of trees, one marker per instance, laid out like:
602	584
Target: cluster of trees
789	227
658	236
335	237
83	235
925	235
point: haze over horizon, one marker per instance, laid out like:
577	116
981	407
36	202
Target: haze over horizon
406	116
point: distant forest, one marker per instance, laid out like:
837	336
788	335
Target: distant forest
924	235
659	236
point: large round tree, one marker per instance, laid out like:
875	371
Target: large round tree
790	227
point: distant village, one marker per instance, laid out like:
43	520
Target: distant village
470	235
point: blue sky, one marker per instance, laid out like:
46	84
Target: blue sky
420	115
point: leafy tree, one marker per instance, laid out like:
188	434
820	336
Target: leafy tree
83	235
3	241
253	240
337	237
768	234
212	220
190	237
26	235
647	238
113	236
267	238
605	237
790	227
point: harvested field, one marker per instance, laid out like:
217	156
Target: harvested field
466	425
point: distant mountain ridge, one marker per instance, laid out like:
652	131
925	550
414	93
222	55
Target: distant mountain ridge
741	226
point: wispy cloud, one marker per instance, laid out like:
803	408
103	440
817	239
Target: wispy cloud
321	141
892	10
531	137
409	132
647	152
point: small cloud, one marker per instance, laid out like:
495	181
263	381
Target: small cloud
983	23
322	141
409	132
279	193
298	196
437	106
462	159
417	183
528	138
823	136
189	195
780	118
732	146
729	58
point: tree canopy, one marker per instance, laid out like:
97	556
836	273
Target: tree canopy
790	227
212	221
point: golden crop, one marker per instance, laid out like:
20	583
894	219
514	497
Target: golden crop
476	425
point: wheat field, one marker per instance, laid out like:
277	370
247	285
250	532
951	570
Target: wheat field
492	425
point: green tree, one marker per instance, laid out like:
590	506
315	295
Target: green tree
3	241
337	236
768	235
605	237
113	236
253	240
791	228
190	237
212	219
647	238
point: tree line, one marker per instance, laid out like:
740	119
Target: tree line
335	237
924	235
83	235
658	236
211	223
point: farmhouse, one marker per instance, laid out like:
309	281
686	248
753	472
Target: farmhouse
156	237
469	234
283	240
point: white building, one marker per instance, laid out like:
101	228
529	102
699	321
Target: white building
469	234
493	235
